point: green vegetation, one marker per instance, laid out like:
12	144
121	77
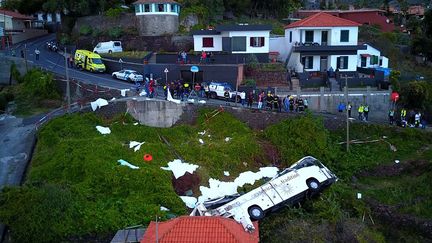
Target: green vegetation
81	190
127	54
114	12
115	32
85	30
36	92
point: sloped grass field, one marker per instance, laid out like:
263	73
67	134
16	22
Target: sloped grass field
76	190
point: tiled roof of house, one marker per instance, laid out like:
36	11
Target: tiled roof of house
195	229
155	1
15	15
322	19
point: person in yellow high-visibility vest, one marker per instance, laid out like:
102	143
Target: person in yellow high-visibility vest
360	112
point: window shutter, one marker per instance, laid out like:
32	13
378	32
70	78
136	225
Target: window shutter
252	41
338	62
262	41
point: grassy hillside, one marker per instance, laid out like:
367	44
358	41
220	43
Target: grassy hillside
76	190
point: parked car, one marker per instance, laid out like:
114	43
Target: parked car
304	178
128	75
87	60
217	90
108	47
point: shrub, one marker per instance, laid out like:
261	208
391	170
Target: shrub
38	84
249	82
85	30
16	75
114	12
115	32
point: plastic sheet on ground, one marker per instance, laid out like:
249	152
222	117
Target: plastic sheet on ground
171	99
221	188
136	145
191	100
226	173
123	92
98	103
113	99
143	93
179	168
162	208
136	123
189	201
227	139
125	163
103	130
202	101
201	141
202	133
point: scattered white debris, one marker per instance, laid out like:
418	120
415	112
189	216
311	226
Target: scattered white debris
136	123
209	135
134	98
143	93
98	103
201	141
170	98
179	168
191	100
111	100
162	208
123	92
103	130
397	161
220	188
202	133
136	145
125	163
384	137
227	139
359	195
189	201
226	173
202	101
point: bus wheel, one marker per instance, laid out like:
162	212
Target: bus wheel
256	212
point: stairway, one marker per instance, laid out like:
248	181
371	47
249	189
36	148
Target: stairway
334	86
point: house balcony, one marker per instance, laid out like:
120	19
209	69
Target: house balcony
323	49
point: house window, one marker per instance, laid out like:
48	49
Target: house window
137	9
342	62
173	8
363	61
290	37
257	41
147	8
380	62
307	62
374	60
207	42
309	36
344	36
160	7
238	43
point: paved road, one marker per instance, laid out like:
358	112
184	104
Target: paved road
54	62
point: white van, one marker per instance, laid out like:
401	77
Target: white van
306	177
108	47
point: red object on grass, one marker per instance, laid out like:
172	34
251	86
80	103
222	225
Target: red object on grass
394	96
148	157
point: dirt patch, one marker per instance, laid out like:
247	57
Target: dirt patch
186	182
412	167
390	216
271	154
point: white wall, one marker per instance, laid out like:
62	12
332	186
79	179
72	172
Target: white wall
248	34
352	62
371	51
281	45
385	62
8	21
198	43
336	33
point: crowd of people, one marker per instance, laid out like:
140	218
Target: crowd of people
204	58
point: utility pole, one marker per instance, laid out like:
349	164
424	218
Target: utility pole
67	81
25	56
347	116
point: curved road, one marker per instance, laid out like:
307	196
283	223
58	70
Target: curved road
54	62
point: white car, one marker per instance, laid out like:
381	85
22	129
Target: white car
304	178
128	75
108	47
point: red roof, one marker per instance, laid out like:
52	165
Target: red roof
195	229
322	19
15	15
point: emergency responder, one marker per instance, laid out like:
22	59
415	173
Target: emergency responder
360	112
366	112
391	116
349	107
226	96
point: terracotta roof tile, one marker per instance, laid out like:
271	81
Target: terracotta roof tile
15	15
198	229
322	19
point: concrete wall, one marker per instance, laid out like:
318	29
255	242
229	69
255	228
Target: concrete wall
28	34
155	113
157	25
5	64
